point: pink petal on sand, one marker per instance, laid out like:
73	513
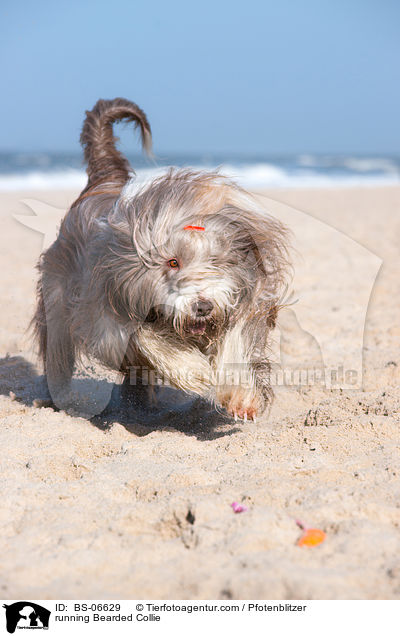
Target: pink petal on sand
237	507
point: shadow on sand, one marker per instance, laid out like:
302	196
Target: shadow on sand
131	406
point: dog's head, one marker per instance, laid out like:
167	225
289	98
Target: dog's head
191	251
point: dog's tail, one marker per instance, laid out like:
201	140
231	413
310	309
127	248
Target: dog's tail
104	161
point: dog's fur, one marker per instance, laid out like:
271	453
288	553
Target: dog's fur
107	288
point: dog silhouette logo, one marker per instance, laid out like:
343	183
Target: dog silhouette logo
26	615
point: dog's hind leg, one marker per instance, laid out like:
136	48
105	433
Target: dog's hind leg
55	343
59	362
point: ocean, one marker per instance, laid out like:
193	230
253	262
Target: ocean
54	171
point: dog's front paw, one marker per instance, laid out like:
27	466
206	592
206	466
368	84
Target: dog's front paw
242	404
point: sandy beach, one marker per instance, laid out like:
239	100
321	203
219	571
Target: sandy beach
121	507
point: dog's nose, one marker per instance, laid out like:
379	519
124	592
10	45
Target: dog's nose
202	308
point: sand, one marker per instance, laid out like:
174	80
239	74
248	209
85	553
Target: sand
127	507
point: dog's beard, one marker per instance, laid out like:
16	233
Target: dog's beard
180	312
187	325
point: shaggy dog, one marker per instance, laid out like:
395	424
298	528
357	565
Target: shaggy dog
182	276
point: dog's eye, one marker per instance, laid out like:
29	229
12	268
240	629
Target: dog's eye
173	263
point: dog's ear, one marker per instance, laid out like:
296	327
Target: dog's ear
104	162
262	238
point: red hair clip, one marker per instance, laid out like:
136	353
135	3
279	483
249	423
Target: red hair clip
194	227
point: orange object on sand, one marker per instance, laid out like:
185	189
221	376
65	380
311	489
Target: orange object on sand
311	537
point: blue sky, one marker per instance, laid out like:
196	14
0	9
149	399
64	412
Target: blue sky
273	76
